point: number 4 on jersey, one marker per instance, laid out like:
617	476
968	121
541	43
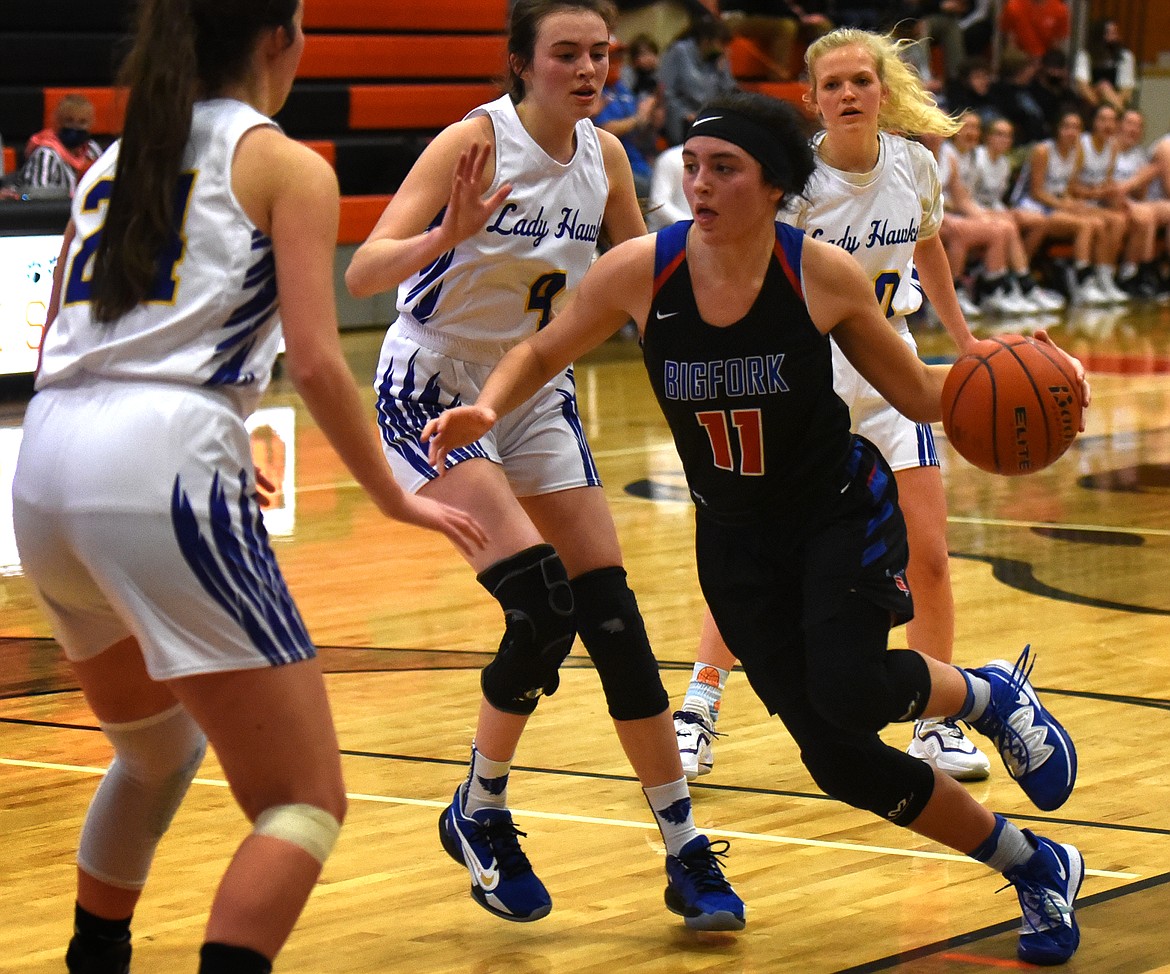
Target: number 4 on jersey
542	293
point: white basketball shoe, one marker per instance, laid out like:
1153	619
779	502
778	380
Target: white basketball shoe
942	744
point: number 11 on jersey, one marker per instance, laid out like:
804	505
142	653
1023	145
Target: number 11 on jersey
749	432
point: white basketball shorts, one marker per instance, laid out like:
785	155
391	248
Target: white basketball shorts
904	443
541	444
135	514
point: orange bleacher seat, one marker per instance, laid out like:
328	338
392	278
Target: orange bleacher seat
109	107
358	216
403	56
9	159
449	15
414	106
746	59
325	148
792	91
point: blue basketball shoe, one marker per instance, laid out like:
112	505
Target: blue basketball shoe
697	891
1037	751
502	880
1047	884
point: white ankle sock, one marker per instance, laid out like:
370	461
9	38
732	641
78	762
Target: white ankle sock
706	687
487	783
671	805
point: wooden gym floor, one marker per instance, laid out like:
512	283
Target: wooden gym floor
1073	560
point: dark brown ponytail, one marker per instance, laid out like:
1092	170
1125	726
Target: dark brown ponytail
183	50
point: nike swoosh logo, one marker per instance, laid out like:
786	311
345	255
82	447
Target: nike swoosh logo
709	118
660	316
1060	870
486	879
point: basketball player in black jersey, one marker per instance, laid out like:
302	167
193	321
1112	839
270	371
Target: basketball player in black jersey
801	545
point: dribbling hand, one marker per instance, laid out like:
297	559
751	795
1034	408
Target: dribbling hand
1078	370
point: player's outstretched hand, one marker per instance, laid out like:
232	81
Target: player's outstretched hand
1078	370
461	529
468	211
454	428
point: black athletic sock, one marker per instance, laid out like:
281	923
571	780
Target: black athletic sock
226	959
992	284
98	946
1026	282
86	924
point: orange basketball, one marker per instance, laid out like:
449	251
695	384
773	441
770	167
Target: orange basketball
1011	405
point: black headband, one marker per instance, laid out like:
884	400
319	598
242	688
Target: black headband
757	140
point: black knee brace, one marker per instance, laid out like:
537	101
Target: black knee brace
614	635
871	775
854	682
533	589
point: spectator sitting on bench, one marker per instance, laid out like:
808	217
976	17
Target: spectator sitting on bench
693	70
55	158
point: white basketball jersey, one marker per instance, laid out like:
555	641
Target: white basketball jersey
948	165
211	319
503	283
877	216
1096	164
1157	190
1057	174
964	165
989	178
1129	163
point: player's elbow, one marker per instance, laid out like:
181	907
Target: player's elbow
358	283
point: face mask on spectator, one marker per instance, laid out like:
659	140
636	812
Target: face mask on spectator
71	138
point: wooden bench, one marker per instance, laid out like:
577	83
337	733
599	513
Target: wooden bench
790	91
422	106
420	15
429	105
748	62
358	216
403	56
58	58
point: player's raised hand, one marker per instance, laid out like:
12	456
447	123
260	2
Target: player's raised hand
467	209
454	428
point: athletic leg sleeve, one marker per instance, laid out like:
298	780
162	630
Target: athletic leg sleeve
868	774
854	681
614	635
533	589
154	762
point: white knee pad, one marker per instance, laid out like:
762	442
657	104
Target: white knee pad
307	826
154	761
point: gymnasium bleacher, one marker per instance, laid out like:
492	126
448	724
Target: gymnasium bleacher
377	79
